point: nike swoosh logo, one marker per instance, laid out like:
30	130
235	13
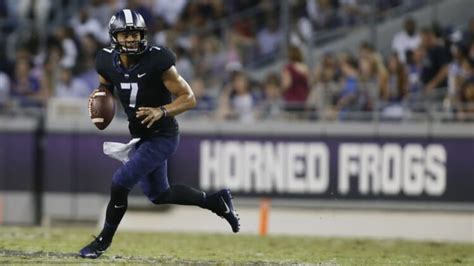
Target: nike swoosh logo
119	206
227	209
141	75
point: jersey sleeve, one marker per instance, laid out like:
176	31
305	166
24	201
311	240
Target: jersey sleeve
166	58
101	68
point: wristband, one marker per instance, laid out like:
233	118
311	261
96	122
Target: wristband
165	112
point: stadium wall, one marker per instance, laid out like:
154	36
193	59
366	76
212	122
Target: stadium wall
17	170
302	164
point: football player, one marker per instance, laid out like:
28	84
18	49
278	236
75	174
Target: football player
144	79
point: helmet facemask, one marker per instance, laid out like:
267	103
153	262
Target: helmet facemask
127	47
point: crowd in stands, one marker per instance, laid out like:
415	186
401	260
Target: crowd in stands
431	68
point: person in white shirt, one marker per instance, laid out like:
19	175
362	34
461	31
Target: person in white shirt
407	39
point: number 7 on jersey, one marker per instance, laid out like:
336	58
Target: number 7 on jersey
133	93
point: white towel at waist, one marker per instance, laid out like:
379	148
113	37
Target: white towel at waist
120	151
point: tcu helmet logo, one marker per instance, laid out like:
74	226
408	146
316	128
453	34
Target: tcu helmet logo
112	19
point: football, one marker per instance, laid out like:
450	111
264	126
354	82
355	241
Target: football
101	107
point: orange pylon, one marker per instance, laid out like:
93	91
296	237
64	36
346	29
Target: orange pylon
264	209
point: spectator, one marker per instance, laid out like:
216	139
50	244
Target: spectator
4	90
39	10
214	57
301	31
26	88
102	10
323	13
471	51
86	65
468	69
269	38
350	12
205	103
373	77
455	77
170	11
326	84
295	81
435	63
407	39
199	13
368	89
179	36
231	55
160	32
51	66
414	94
398	83
397	88
70	87
65	36
83	24
183	64
347	100
237	101
243	39
272	104
467	111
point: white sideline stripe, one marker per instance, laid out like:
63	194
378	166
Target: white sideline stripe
97	120
128	17
99	93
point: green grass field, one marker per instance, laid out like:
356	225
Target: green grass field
19	245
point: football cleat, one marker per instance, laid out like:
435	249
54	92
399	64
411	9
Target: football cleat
95	248
228	211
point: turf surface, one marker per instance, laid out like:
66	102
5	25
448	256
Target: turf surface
26	245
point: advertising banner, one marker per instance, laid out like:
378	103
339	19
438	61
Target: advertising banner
386	168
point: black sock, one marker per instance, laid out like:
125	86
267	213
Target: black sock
182	195
115	210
